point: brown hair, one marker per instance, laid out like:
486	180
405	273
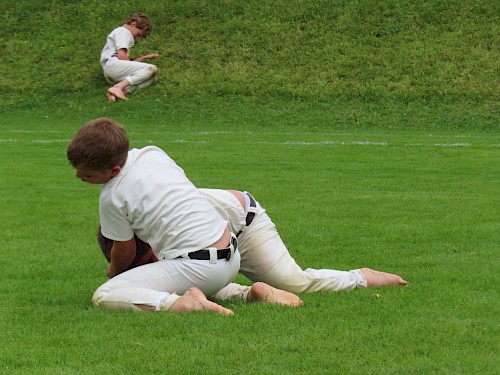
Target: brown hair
142	21
99	145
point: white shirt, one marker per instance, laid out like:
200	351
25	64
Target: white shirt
118	38
152	197
228	207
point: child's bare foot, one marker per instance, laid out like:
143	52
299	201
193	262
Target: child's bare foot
117	92
195	300
265	293
110	97
377	278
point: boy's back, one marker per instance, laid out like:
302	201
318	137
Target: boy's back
152	197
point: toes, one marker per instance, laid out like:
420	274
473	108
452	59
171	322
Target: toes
111	97
116	93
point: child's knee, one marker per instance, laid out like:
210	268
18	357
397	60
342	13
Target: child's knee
153	71
98	296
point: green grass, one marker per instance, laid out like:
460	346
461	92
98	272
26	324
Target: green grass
386	59
421	205
368	130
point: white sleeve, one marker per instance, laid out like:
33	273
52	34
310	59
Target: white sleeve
113	218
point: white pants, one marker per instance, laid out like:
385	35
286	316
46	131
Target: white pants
159	284
138	74
264	257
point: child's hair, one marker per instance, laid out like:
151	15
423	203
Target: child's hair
99	145
143	22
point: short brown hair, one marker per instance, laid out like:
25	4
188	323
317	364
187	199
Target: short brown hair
143	22
99	145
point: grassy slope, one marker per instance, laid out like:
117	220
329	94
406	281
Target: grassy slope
391	64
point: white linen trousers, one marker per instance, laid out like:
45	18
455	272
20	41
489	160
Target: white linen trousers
264	256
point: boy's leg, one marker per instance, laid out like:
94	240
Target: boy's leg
127	75
258	292
155	285
191	301
264	257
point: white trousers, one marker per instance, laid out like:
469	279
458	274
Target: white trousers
138	74
264	257
159	284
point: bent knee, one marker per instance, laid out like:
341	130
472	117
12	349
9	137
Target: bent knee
98	297
153	71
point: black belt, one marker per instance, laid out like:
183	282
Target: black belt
251	213
221	253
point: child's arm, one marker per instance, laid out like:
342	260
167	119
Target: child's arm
147	57
122	256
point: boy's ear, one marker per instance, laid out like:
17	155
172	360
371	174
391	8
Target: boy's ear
115	170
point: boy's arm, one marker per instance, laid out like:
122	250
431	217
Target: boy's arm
122	55
147	57
122	256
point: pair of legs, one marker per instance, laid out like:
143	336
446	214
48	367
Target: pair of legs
126	76
168	285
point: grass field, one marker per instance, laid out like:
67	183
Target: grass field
369	132
418	204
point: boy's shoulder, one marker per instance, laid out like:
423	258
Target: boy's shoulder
146	153
121	31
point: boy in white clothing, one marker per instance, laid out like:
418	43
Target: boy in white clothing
126	74
264	256
145	192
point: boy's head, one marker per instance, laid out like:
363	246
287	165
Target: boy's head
141	22
98	150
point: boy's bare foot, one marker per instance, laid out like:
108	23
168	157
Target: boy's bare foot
195	300
377	278
110	97
265	293
117	92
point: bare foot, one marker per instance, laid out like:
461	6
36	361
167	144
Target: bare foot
265	293
110	97
117	92
195	300
377	278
